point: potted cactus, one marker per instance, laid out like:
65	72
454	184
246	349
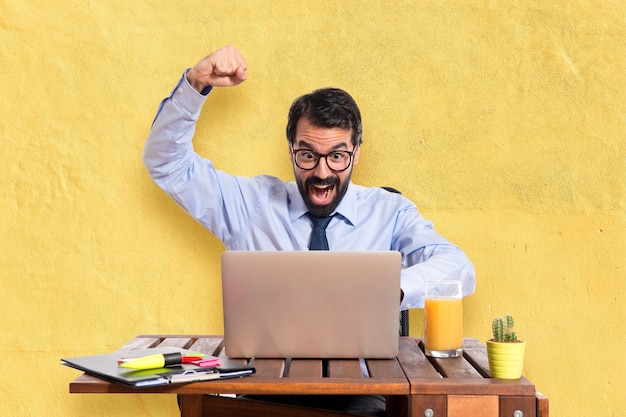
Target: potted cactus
505	352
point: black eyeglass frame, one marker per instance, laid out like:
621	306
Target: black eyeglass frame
325	156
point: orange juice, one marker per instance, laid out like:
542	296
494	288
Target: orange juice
443	323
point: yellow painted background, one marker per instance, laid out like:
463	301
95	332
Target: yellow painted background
504	121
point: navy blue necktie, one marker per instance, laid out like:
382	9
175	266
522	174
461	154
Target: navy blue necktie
318	235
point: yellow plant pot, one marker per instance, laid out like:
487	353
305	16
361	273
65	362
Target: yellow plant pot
506	360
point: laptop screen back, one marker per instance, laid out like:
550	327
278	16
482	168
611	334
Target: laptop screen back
311	304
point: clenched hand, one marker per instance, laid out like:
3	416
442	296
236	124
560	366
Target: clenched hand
222	68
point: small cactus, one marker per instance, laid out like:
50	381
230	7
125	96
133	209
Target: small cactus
502	328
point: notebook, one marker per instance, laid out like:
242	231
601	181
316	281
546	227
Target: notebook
311	304
105	366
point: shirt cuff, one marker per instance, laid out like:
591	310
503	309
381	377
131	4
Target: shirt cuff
186	97
413	292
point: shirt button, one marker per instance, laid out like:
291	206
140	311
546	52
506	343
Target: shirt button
180	90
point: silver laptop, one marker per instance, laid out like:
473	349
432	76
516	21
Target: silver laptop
311	304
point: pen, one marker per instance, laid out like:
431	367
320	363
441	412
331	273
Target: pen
158	360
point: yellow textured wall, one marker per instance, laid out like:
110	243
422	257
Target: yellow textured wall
504	122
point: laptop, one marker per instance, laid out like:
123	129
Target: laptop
311	304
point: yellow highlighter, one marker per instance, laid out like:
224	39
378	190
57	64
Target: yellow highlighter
160	360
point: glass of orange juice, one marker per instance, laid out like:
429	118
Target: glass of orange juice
443	319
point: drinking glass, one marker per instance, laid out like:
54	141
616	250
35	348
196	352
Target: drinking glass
443	319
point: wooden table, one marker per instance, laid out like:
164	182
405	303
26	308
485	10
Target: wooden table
414	384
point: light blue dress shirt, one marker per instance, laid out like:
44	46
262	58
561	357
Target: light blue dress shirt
267	213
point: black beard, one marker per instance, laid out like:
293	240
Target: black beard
326	210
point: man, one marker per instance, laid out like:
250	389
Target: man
324	135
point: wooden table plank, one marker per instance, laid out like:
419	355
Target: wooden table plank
384	368
178	342
208	345
345	368
471	386
269	368
142	342
455	368
414	363
474	405
437	404
305	368
543	405
475	353
526	404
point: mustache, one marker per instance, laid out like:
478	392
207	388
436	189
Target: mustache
311	181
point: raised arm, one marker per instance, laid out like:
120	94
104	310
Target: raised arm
169	155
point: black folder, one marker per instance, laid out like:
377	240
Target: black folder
105	366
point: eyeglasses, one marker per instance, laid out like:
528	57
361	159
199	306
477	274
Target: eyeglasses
336	161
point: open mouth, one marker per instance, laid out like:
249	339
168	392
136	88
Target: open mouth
321	194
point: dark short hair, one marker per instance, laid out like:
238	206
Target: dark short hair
328	108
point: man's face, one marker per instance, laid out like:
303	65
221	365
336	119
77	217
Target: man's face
321	188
